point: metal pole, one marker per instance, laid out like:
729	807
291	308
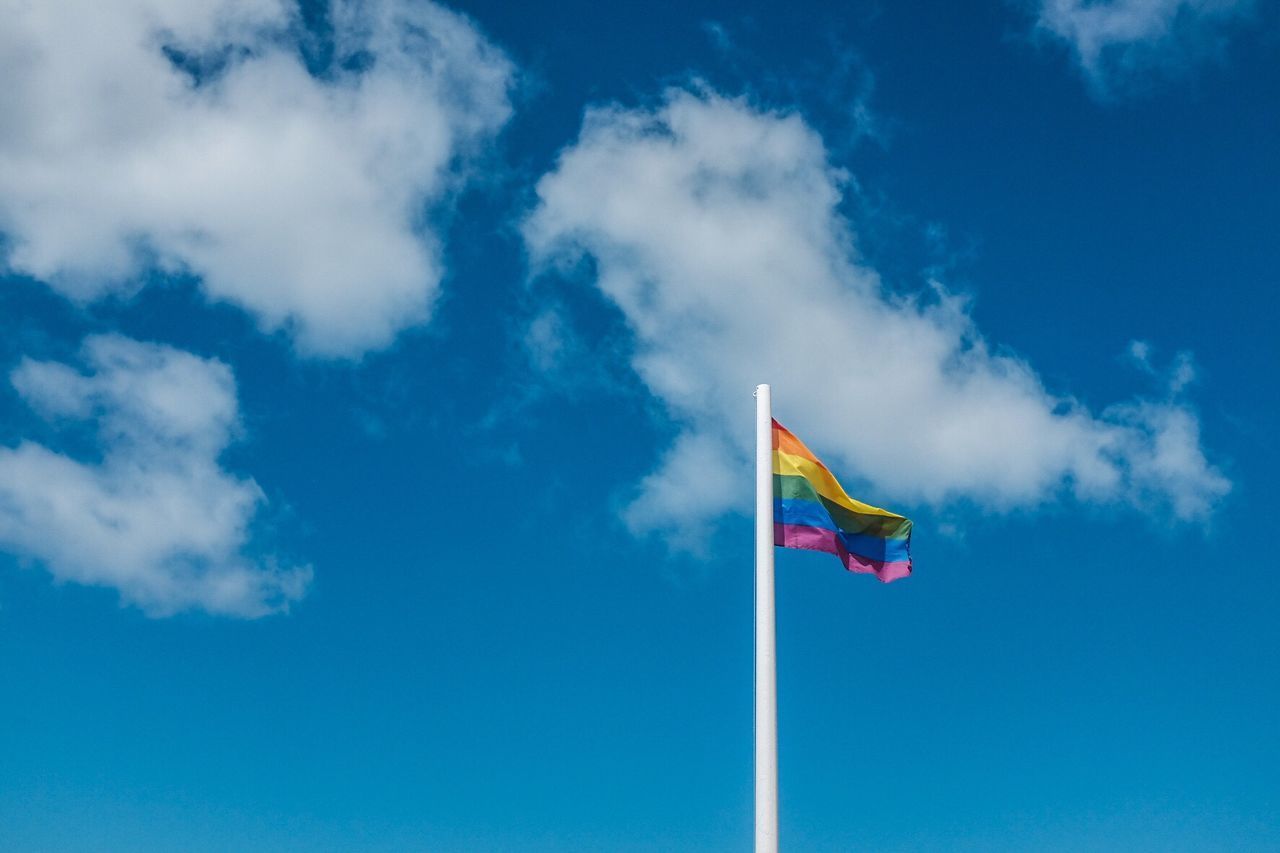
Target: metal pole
766	662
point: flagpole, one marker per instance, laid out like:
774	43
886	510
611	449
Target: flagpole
766	663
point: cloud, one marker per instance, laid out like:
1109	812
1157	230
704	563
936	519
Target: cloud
1113	41
156	517
545	339
714	227
191	138
1181	373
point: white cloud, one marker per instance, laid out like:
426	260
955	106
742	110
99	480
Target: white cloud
714	227
544	340
1181	373
1113	40
299	198
156	518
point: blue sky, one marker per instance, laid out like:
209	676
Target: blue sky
377	402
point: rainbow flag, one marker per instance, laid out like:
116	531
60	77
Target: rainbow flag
812	511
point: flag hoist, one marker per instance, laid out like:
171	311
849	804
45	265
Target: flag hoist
799	504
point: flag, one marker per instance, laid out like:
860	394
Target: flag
812	511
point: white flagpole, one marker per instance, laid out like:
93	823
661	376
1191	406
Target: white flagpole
766	664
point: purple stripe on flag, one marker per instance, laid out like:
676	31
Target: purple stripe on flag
817	539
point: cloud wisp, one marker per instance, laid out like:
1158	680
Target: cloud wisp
156	517
191	138
714	227
1114	41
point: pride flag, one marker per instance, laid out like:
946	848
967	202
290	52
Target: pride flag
812	511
